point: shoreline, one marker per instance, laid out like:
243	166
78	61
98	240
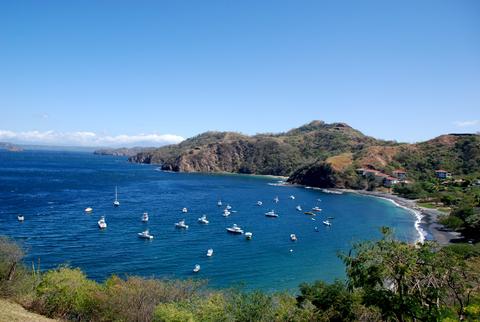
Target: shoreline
427	224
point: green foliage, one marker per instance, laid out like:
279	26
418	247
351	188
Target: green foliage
67	293
334	301
172	312
408	282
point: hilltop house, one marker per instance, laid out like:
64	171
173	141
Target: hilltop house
400	174
390	181
442	174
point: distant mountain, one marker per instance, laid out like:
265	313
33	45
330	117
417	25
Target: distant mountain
128	152
317	154
10	147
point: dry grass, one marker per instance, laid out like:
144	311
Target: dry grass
341	161
12	312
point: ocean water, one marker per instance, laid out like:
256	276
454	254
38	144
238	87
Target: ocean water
52	189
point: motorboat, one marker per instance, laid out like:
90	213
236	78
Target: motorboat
184	210
181	224
219	203
327	223
235	229
229	207
88	210
276	199
259	203
21	217
309	213
102	224
299	208
248	235
292	197
196	269
145	235
116	203
145	217
271	214
210	252
226	213
316	208
293	237
203	220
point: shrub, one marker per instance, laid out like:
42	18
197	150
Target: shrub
67	293
172	312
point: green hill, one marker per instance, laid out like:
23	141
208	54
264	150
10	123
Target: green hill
318	154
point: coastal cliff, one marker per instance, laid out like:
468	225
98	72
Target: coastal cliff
318	154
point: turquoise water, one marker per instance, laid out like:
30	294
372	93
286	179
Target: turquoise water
53	188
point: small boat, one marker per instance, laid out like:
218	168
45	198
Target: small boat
316	208
210	252
276	199
235	229
181	224
330	217
203	220
259	203
309	213
229	207
316	229
299	208
116	203
219	203
293	237
184	210
145	217
21	218
248	235
327	223
226	213
292	197
102	224
145	235
196	269
88	209
271	214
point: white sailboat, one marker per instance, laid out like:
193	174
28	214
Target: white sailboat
248	235
181	224
145	217
116	203
210	252
196	269
203	220
102	224
271	214
21	218
184	210
145	235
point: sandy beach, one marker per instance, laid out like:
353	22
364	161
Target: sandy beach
427	219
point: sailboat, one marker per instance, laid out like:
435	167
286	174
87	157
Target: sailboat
116	203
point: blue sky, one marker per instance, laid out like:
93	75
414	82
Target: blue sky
132	72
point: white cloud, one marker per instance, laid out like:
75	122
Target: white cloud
86	138
467	123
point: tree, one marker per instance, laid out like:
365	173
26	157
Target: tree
409	282
10	256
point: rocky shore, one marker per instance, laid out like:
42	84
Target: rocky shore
428	224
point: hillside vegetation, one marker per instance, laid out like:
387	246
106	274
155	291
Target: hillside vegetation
386	280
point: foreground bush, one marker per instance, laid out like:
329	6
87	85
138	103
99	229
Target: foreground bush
67	293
